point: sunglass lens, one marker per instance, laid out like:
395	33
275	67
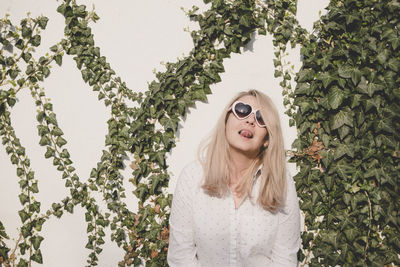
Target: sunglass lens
259	118
242	110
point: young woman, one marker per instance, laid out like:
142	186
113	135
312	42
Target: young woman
236	206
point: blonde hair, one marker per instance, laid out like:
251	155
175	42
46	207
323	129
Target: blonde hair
216	163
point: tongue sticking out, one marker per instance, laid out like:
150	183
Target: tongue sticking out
246	134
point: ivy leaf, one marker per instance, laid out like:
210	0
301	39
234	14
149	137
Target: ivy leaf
343	149
394	64
385	140
69	207
199	95
343	170
382	56
60	141
369	88
22	263
23	198
34	207
58	59
343	131
42	22
56	131
394	40
50	152
305	75
29	70
14	159
351	18
356	98
34	188
88	217
26	56
160	157
168	124
326	61
35	40
244	20
40	116
328	180
262	31
51	119
37	256
384	125
326	79
42	130
23	215
306	106
330	238
20	172
80	11
155	183
355	76
54	48
65	154
345	71
163	202
3	231
351	234
303	89
336	97
277	73
26	32
36	240
341	118
373	103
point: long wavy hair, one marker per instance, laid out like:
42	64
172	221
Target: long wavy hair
217	165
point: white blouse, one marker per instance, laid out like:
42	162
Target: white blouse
209	231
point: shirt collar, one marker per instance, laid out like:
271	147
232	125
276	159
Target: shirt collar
258	172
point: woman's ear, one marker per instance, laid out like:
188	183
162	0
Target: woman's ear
266	143
264	146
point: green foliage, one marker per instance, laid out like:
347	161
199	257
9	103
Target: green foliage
347	96
344	105
3	248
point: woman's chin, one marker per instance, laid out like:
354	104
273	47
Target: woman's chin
246	150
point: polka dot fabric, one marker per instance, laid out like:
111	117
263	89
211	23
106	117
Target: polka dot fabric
209	231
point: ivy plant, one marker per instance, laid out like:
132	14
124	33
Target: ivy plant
347	148
347	99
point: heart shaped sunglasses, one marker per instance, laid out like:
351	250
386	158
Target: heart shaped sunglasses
243	111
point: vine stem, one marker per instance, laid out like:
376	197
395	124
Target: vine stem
309	251
54	143
12	255
26	171
20	55
51	59
26	44
268	9
369	228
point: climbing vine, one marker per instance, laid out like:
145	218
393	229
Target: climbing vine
347	99
341	132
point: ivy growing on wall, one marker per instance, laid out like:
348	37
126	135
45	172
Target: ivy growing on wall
144	236
347	99
324	110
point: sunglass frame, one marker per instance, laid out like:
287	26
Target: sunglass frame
233	109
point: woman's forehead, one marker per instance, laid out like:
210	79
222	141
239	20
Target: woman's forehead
251	100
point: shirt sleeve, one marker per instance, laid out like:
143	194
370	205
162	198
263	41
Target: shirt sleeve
182	249
287	243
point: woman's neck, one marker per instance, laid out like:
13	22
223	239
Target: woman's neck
241	163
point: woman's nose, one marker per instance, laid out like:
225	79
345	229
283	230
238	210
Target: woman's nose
251	119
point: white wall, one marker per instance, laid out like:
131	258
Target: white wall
135	36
